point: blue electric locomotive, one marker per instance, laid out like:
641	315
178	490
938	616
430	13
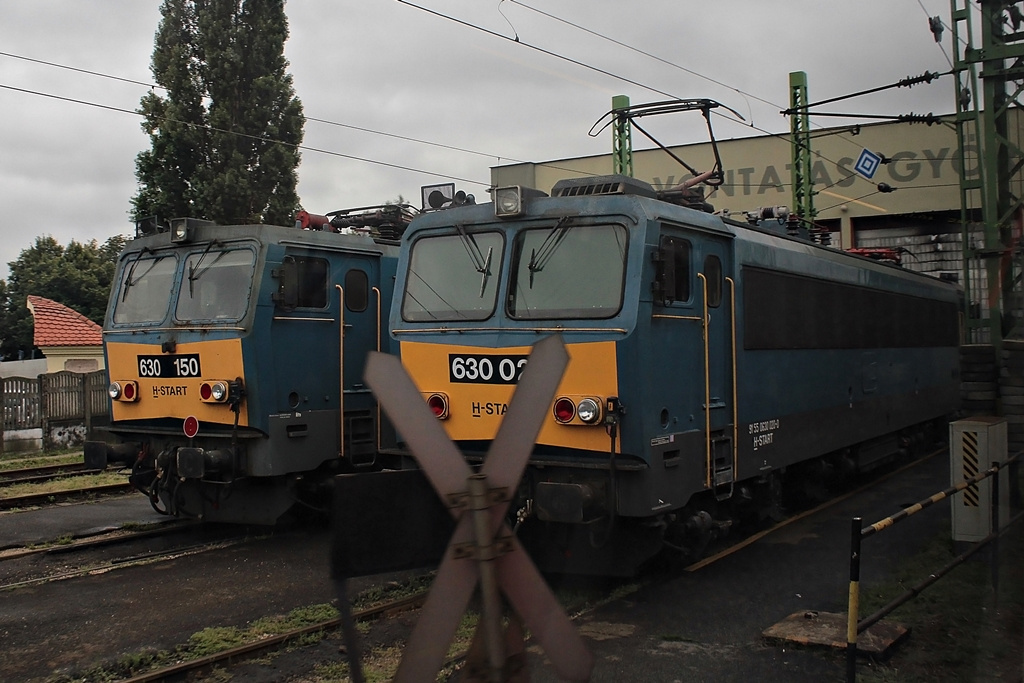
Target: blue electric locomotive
711	361
235	356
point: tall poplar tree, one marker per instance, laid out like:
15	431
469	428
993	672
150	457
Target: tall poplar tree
225	132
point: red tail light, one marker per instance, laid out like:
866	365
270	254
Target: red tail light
564	410
438	404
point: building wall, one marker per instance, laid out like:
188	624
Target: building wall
82	359
29	369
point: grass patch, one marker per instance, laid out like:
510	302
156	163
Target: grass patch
61	484
960	629
379	664
213	640
17	461
217	639
393	590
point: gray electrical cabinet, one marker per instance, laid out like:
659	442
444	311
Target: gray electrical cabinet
976	443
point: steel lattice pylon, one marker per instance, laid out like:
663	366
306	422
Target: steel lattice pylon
800	131
989	72
622	141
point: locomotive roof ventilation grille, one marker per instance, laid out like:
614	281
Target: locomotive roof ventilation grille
602	185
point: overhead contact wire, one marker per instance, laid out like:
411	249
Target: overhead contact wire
245	135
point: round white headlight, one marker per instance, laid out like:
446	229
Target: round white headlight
114	390
218	391
588	411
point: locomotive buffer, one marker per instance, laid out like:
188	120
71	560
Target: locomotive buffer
482	548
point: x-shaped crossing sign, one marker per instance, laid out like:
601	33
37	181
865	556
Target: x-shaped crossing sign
497	561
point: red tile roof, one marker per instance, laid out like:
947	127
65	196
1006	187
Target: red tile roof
58	325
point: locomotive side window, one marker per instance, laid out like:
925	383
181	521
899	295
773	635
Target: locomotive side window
713	273
786	311
453	277
568	272
672	279
357	290
215	285
302	283
145	285
312	282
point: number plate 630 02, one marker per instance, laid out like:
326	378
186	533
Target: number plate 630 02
485	369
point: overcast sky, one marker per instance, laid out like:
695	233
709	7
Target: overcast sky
416	98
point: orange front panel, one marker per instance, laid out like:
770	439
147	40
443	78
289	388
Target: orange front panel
169	383
478	402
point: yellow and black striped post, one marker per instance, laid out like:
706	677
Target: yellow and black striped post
854	602
969	444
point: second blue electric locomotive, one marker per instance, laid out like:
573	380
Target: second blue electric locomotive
235	355
710	360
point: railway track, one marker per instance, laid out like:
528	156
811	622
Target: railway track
181	670
102	562
730	546
44	473
239	655
244	655
100	539
55	497
137	560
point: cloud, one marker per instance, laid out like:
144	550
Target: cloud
67	169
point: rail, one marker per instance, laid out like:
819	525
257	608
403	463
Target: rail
858	533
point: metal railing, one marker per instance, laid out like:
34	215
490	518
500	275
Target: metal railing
858	533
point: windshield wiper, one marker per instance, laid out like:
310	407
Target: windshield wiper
486	272
481	263
128	281
193	270
540	257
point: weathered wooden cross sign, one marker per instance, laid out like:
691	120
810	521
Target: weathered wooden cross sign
482	548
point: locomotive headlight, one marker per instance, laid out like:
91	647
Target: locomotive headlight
588	411
576	411
213	392
180	230
508	201
123	391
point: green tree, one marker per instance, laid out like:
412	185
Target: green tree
225	134
78	276
175	123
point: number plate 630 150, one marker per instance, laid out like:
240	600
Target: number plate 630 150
180	365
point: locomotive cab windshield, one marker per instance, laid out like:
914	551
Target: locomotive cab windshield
560	271
568	272
213	286
450	278
143	292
